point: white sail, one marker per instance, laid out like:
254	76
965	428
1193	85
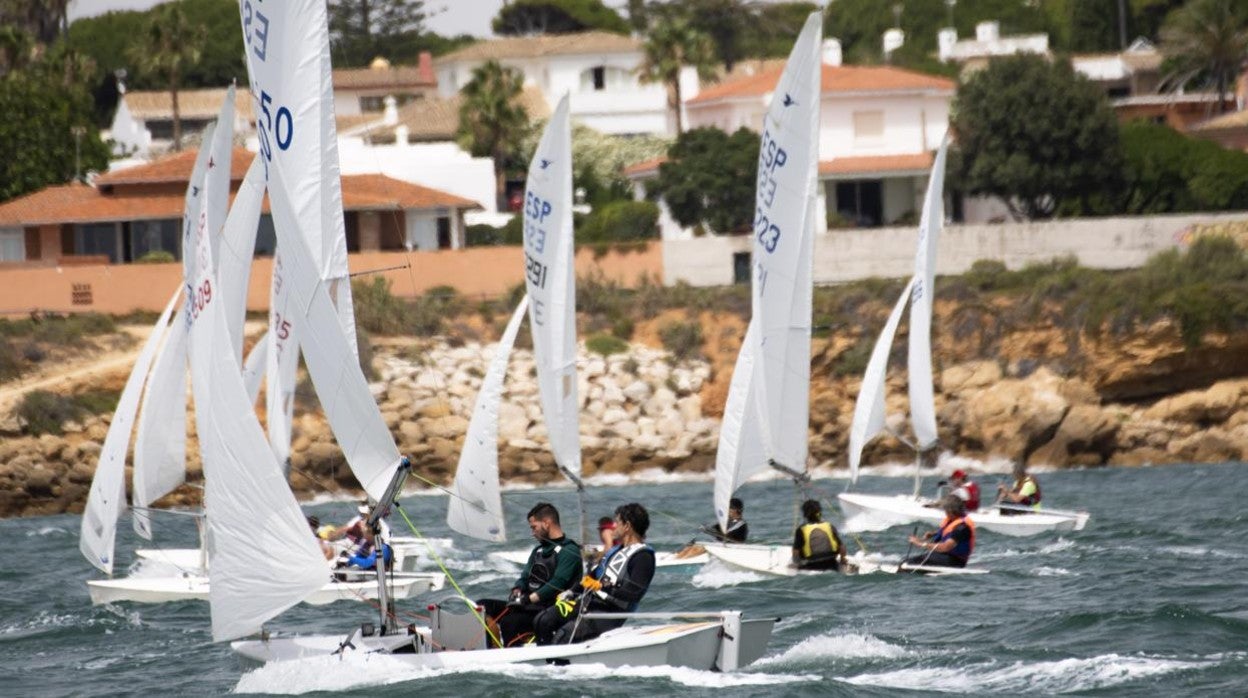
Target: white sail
335	371
263	557
283	362
550	280
287	49
107	496
869	409
922	401
476	504
782	251
255	367
740	453
238	248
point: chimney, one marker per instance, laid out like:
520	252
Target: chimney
893	39
945	40
987	31
424	67
831	51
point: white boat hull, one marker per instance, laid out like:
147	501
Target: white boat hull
195	588
697	645
187	559
764	559
661	559
869	512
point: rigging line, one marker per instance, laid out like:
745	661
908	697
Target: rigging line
436	486
380	270
438	559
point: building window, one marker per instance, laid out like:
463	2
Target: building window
861	202
868	125
600	78
12	245
97	239
153	236
444	233
266	237
740	267
372	103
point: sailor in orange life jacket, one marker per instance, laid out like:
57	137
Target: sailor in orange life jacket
816	544
951	545
1025	492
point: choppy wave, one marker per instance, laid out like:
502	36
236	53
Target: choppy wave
715	575
1063	676
847	646
340	674
47	531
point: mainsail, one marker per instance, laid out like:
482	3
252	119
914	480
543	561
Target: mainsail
919	364
778	389
869	408
476	505
550	280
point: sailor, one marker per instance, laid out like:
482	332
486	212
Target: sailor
965	488
554	565
617	584
1025	492
952	544
816	544
361	544
606	536
326	549
738	530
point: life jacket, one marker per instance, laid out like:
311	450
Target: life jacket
613	570
818	541
542	566
1033	499
737	531
972	489
963	549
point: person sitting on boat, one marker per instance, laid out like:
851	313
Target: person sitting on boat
617	584
965	488
554	565
952	544
326	549
816	544
606	536
738	531
1024	493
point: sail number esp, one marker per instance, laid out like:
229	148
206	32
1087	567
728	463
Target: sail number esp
771	157
536	211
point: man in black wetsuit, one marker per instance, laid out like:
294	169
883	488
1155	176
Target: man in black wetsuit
553	567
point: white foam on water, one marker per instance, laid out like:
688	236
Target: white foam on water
45	531
359	671
649	476
1052	572
795	621
1199	551
846	646
1062	676
715	575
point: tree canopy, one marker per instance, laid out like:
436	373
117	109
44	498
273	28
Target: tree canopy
672	43
491	121
1168	172
708	179
1206	42
1037	135
361	30
524	17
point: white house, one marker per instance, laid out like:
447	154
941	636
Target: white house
597	69
143	121
364	90
879	127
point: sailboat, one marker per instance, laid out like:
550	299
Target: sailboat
866	512
766	414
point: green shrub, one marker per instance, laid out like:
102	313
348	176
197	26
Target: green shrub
622	327
620	221
45	412
376	309
482	235
10	367
156	257
97	401
682	339
606	344
853	361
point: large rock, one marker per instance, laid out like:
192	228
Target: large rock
1014	416
971	375
1211	406
448	427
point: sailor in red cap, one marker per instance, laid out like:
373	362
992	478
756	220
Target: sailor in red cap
965	489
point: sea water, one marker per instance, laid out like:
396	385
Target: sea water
1149	599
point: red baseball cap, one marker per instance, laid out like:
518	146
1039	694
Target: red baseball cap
958	474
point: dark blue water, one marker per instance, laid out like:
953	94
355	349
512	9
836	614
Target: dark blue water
1148	600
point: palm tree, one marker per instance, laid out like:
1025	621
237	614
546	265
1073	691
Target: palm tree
169	46
1207	38
491	120
672	43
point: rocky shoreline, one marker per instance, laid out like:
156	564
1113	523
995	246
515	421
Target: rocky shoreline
643	410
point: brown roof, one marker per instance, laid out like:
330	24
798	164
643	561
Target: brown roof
836	78
592	42
192	104
174	168
438	119
645	166
865	164
383	77
80	203
1237	119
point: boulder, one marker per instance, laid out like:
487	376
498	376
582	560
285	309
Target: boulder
448	427
971	375
1211	406
1013	417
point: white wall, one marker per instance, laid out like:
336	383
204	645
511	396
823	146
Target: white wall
848	255
130	134
442	166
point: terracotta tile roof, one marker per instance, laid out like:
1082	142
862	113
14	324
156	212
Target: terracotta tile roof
438	119
644	167
81	203
192	104
593	42
836	79
379	192
351	122
1238	119
866	164
383	77
174	168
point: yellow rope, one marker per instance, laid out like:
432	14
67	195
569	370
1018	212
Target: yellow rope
436	558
